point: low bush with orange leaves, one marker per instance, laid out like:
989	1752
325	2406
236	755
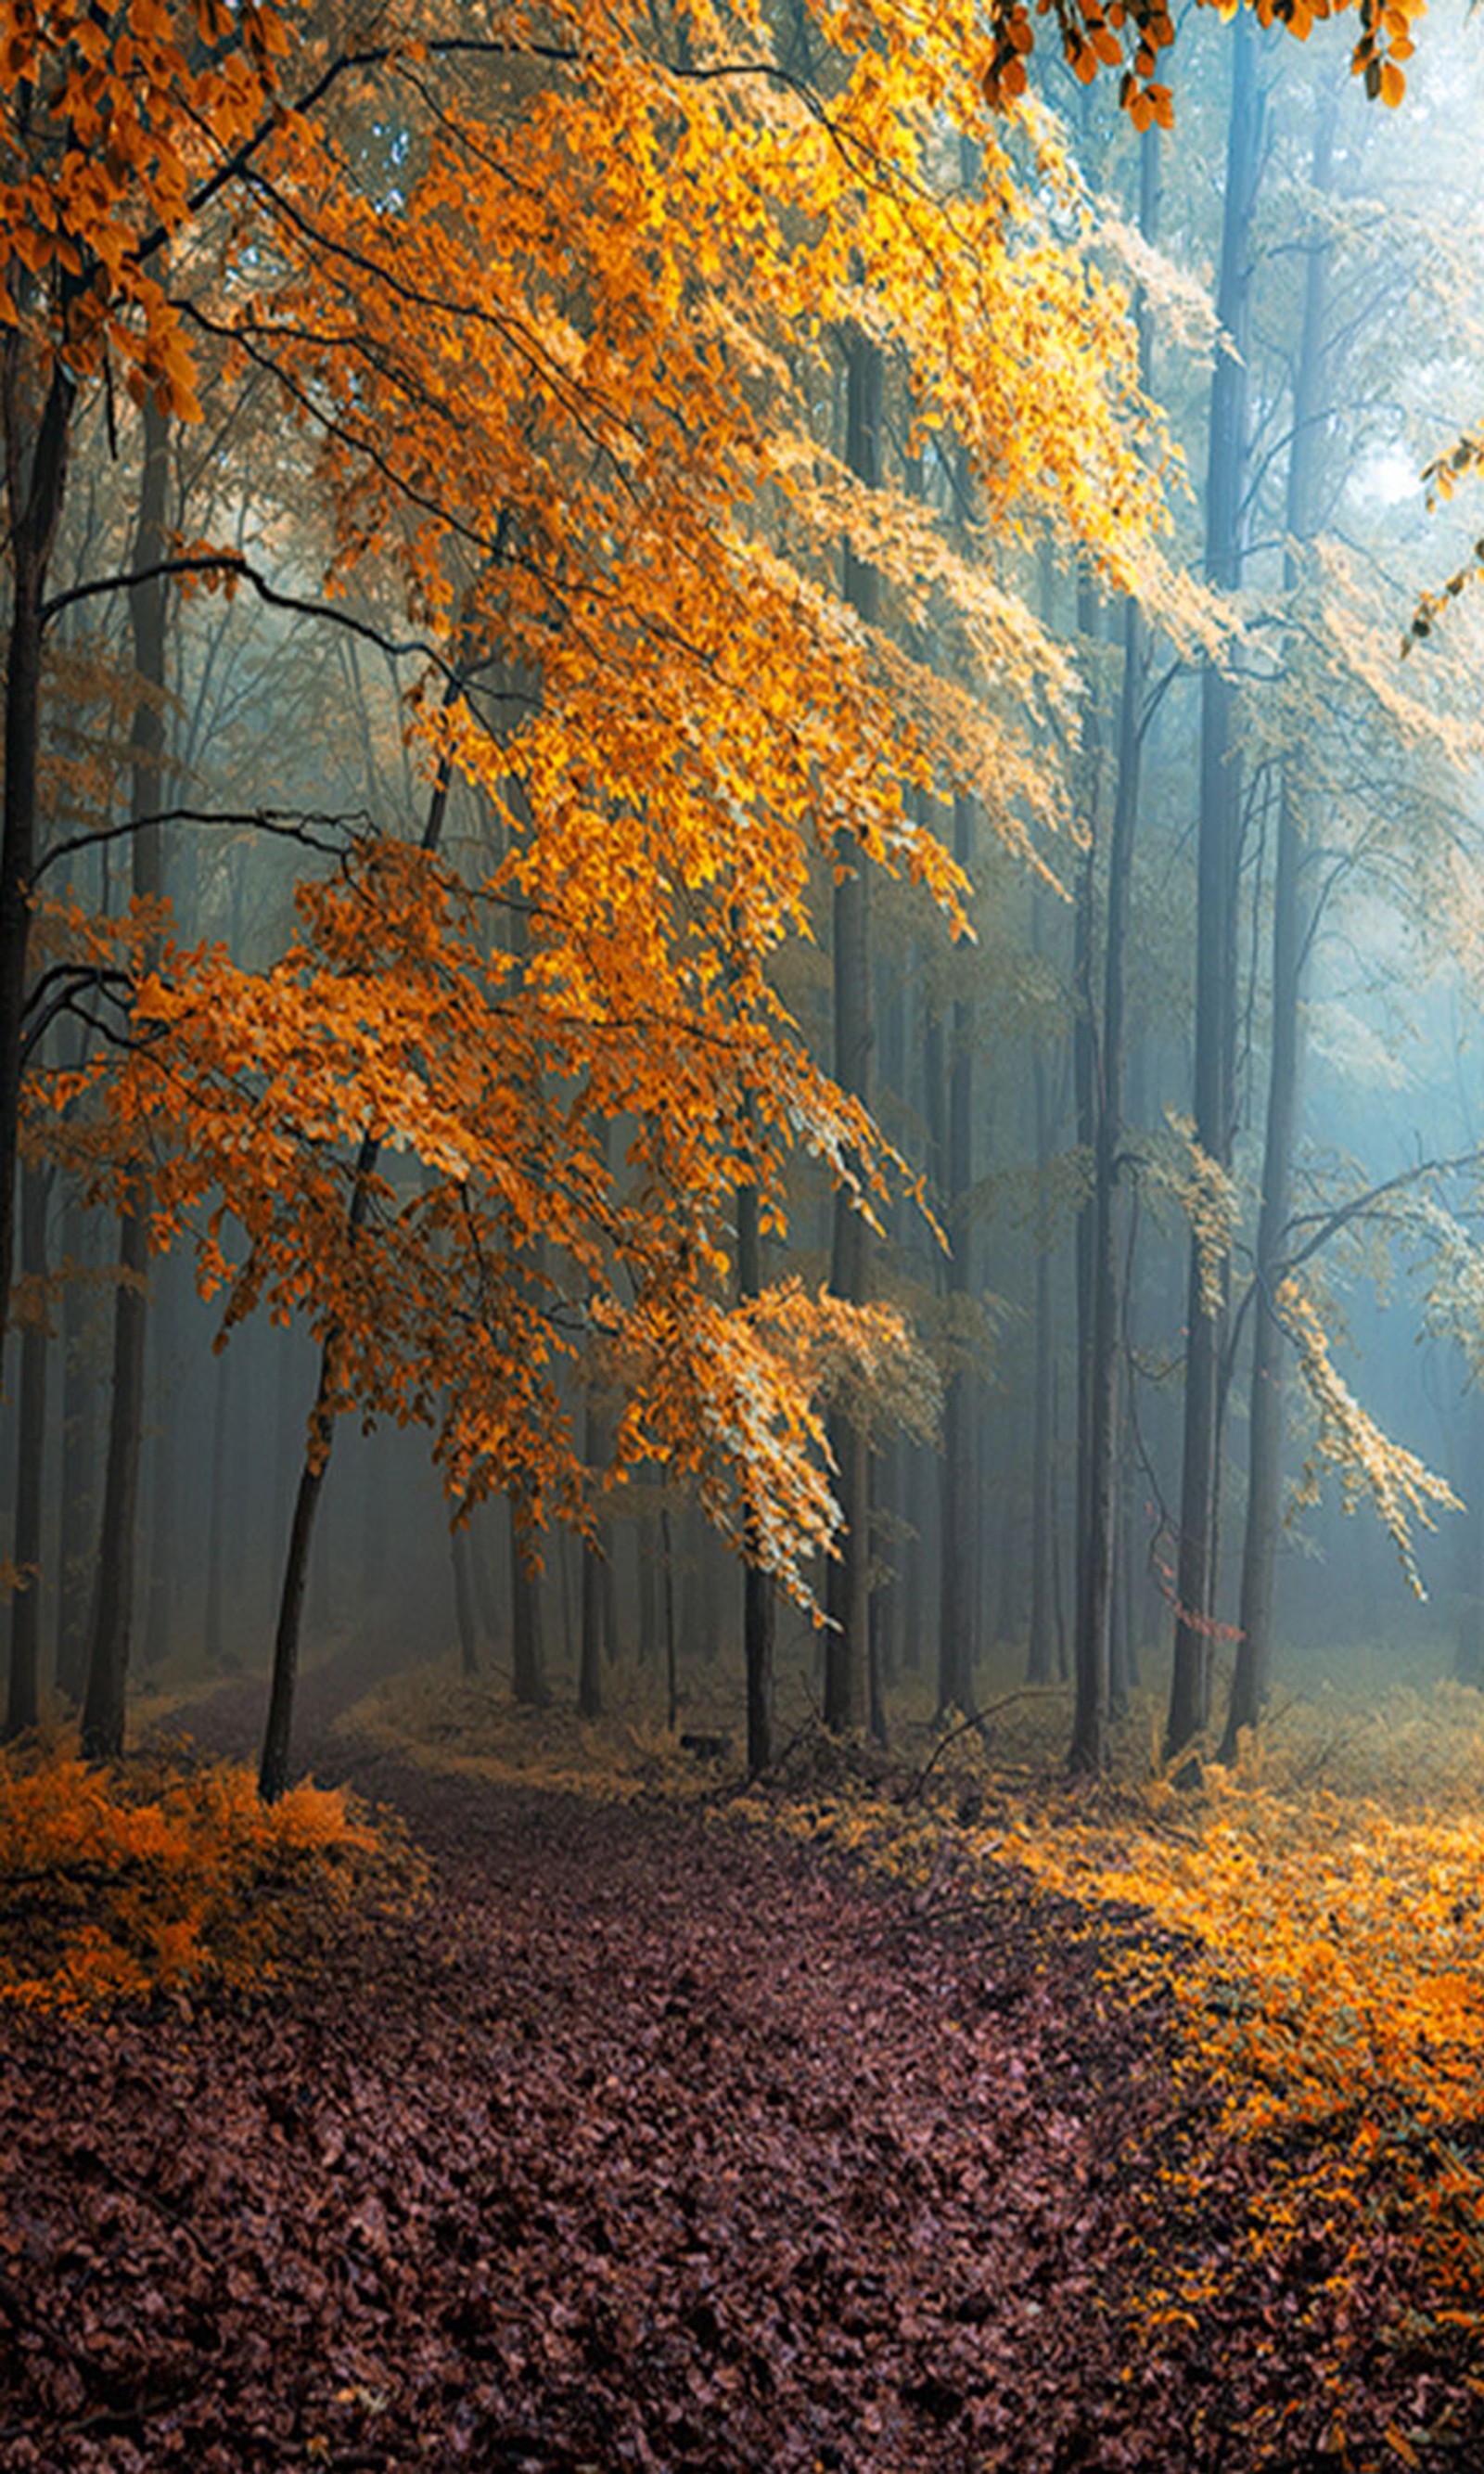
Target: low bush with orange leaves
167	1875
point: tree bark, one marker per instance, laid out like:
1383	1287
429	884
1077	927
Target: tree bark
75	1536
1252	1672
112	1633
216	1512
527	1664
273	1768
23	1699
1218	859
464	1601
848	1584
590	1654
1102	1266
35	490
759	1595
956	1607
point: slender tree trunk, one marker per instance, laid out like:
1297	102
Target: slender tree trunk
1089	1648
672	1647
1218	860
1040	1647
1093	1659
1290	946
273	1768
34	489
759	1595
74	1559
464	1601
107	1664
22	1702
216	1511
848	1586
957	1604
590	1656
164	1543
527	1664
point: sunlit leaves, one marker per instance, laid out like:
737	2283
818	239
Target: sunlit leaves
1128	36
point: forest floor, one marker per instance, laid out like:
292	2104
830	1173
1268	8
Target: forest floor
652	2139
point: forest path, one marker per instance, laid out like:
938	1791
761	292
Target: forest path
650	2142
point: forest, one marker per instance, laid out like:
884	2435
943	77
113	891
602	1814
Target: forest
741	1236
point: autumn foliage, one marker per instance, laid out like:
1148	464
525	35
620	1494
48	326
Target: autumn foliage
169	1877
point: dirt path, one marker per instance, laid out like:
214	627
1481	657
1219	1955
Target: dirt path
652	2145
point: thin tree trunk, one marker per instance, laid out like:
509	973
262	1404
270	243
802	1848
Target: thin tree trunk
590	1656
759	1596
76	1526
273	1768
1218	860
35	490
22	1701
672	1651
956	1607
464	1601
848	1583
527	1664
1039	1650
107	1664
159	1600
1252	1672
216	1511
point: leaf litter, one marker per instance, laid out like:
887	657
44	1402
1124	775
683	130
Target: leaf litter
649	2143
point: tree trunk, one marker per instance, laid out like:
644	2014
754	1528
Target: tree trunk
464	1601
956	1607
671	1648
1039	1646
590	1656
1253	1668
108	1662
759	1596
216	1512
75	1536
164	1521
527	1664
1097	1563
1218	860
849	1585
34	500
22	1701
273	1768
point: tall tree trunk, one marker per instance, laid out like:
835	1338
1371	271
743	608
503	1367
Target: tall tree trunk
848	1586
164	1538
75	1536
1102	1267
22	1701
759	1595
1218	860
1039	1646
216	1512
108	1662
671	1645
35	486
956	1607
527	1663
278	1733
590	1653
1290	947
464	1600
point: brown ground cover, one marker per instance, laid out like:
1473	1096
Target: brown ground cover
649	2141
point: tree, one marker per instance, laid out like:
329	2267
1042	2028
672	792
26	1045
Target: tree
555	424
1219	862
